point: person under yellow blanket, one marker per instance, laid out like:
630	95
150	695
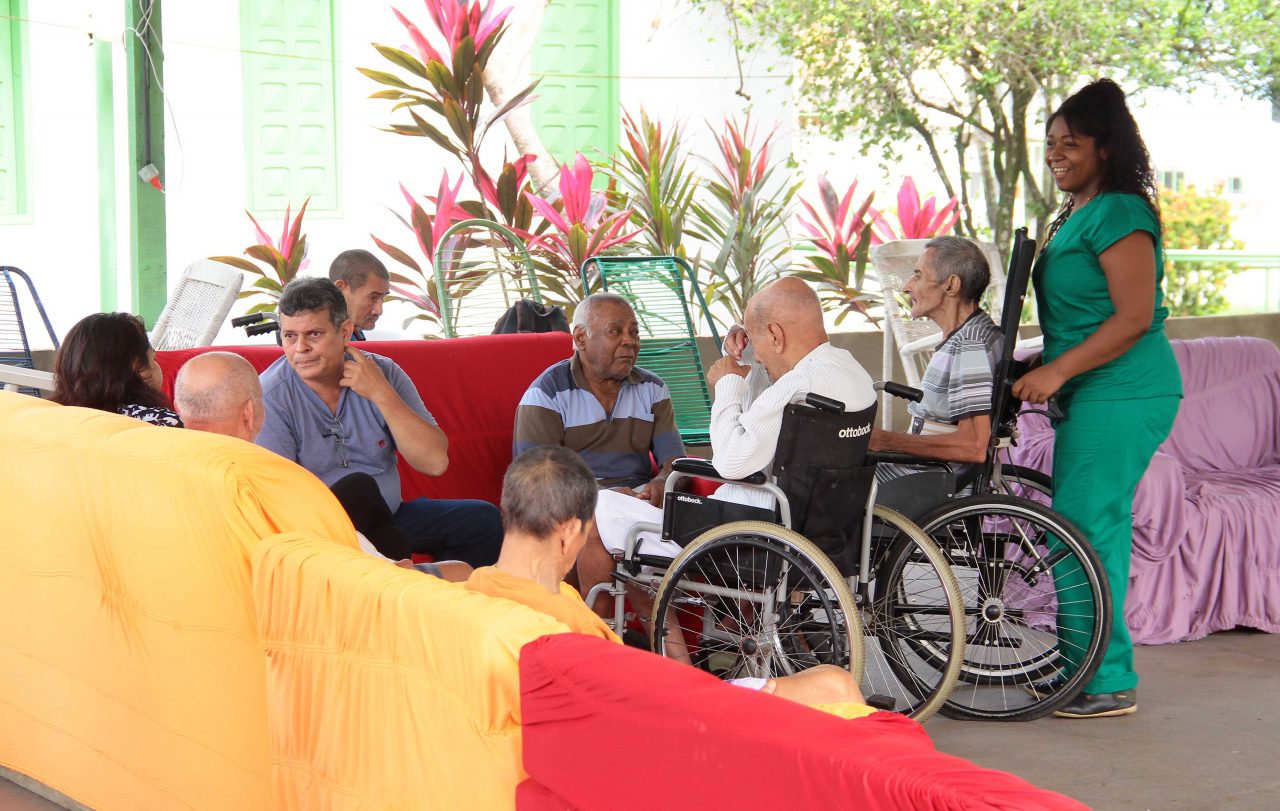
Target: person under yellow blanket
548	508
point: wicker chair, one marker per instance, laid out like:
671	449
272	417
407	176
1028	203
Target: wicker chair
198	306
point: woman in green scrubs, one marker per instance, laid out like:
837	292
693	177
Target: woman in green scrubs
1106	357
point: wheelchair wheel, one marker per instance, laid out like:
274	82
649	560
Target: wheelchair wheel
914	619
753	599
1025	483
1037	601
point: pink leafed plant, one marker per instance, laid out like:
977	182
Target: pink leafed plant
842	236
916	219
427	229
579	228
285	259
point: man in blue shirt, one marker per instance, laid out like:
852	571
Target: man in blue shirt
337	410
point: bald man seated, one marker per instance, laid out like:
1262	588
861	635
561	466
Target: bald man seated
792	358
219	392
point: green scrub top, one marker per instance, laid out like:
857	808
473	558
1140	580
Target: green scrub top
1073	300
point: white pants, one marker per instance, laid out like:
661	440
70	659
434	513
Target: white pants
617	513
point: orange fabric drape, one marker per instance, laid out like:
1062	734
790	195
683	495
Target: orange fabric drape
131	673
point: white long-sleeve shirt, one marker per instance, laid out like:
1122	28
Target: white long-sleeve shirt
746	416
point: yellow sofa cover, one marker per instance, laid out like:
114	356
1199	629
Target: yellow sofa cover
131	673
388	689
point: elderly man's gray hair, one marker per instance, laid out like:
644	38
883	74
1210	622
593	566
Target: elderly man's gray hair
582	313
544	487
957	256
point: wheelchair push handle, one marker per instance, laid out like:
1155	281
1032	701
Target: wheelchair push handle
824	403
899	390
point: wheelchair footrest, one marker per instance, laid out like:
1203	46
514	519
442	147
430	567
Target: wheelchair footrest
881	702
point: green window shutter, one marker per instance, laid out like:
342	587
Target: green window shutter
577	57
290	103
13	157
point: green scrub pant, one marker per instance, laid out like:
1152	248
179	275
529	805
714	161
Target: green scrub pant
1100	451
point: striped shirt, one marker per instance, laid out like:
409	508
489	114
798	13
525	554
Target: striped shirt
957	384
560	409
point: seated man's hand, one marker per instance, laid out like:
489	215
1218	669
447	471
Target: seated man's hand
653	491
627	491
735	342
362	375
725	366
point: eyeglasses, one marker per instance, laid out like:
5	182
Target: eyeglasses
335	431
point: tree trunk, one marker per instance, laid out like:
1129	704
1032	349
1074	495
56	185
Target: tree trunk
507	73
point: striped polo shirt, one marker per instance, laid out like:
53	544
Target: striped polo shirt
560	409
957	383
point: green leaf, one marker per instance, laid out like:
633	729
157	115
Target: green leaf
237	262
402	59
382	77
269	284
267	254
398	255
425	128
457	121
464	59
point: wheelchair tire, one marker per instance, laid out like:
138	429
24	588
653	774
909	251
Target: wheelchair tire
1025	483
1019	564
714	590
915	617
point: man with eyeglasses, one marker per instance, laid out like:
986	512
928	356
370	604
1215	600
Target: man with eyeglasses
337	410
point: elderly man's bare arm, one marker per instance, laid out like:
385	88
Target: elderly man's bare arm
968	443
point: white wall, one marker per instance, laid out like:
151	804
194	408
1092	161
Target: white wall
676	62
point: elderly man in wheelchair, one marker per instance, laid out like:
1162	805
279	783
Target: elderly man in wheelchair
754	581
1037	609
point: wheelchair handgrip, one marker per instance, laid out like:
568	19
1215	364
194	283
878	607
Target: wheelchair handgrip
905	392
824	403
701	467
244	320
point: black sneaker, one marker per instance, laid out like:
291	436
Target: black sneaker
1100	705
636	639
1043	689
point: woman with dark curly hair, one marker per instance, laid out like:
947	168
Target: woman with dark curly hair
106	362
1107	359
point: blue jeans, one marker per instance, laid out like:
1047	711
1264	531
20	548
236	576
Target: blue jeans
469	530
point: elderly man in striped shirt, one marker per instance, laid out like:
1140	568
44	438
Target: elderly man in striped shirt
952	422
612	413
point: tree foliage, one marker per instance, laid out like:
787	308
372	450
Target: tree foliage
1193	219
965	79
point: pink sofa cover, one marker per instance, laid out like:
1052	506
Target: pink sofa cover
611	727
1206	516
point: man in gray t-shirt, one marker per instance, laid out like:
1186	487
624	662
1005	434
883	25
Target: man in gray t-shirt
337	410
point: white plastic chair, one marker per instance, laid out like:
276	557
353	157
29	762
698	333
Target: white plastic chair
198	307
915	339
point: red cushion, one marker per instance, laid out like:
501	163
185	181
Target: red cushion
750	750
470	385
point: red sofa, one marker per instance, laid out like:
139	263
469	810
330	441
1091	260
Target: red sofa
611	727
470	385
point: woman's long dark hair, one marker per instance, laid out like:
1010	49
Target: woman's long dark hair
100	364
1099	111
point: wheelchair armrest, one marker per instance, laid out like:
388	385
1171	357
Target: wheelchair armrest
898	458
704	469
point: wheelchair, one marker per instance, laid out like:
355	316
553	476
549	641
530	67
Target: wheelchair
825	577
1037	601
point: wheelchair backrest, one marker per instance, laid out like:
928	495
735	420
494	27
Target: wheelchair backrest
1004	405
821	465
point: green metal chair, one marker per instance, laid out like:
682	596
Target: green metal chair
481	269
659	288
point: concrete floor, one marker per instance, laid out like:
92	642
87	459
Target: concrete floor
1206	736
